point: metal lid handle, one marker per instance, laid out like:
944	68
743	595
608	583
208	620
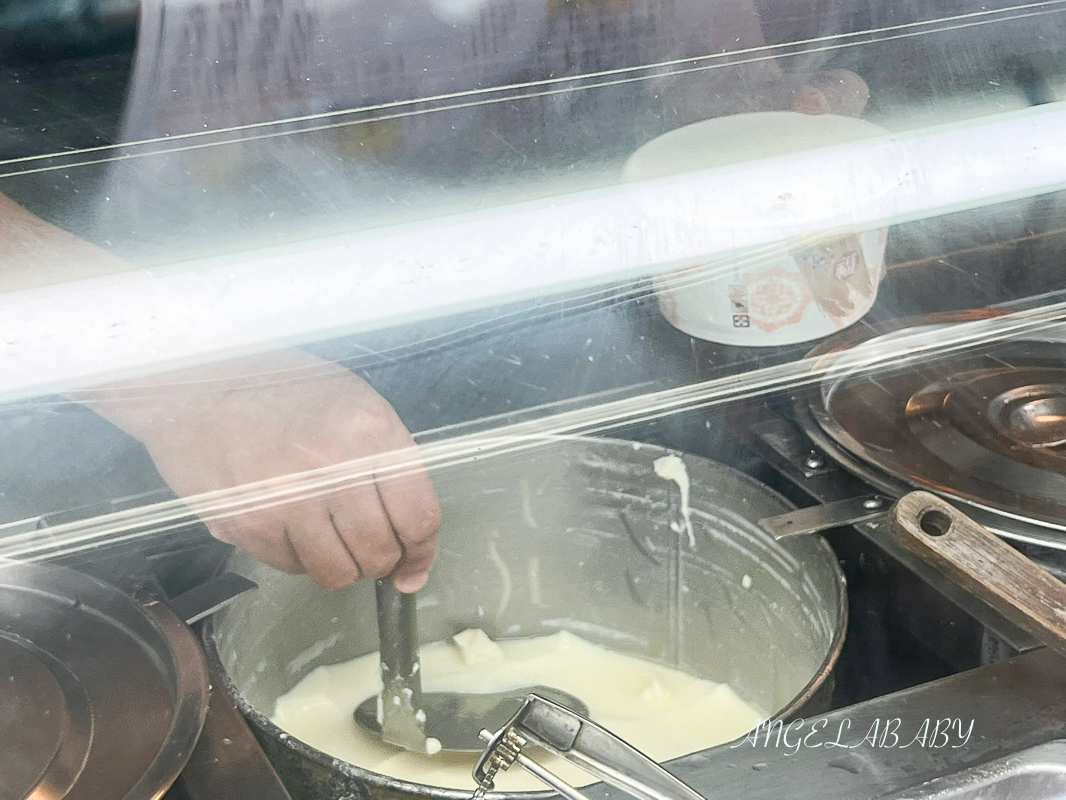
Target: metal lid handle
584	744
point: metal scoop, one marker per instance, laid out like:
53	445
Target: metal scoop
427	723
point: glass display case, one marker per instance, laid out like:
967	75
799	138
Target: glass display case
634	318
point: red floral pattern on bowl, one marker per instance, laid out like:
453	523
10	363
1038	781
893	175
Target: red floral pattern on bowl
777	297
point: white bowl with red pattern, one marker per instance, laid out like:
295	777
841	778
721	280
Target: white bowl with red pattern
783	293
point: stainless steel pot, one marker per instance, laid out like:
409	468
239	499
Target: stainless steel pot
573	535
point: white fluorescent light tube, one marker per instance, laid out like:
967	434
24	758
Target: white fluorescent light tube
72	335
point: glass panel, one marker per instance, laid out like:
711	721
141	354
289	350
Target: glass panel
315	273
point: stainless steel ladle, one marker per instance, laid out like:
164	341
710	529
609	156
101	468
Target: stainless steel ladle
404	716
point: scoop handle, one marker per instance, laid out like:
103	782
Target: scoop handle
398	636
1021	591
585	744
401	716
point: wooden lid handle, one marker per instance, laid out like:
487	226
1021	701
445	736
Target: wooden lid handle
978	561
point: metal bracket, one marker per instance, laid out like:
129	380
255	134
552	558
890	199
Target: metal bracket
780	442
818	518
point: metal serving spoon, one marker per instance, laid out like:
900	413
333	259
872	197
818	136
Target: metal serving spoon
403	716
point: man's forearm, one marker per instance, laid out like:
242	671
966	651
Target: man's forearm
36	253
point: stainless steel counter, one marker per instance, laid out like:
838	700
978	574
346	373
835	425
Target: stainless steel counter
1014	705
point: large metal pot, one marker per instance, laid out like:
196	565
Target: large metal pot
573	535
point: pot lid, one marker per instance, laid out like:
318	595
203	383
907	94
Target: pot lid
985	425
103	696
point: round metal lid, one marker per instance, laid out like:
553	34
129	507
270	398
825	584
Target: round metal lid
102	696
986	426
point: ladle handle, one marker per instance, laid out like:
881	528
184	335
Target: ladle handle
398	637
583	743
978	561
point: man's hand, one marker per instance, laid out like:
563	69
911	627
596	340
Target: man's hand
237	423
265	417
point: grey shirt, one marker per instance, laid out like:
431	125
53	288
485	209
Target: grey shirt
307	114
